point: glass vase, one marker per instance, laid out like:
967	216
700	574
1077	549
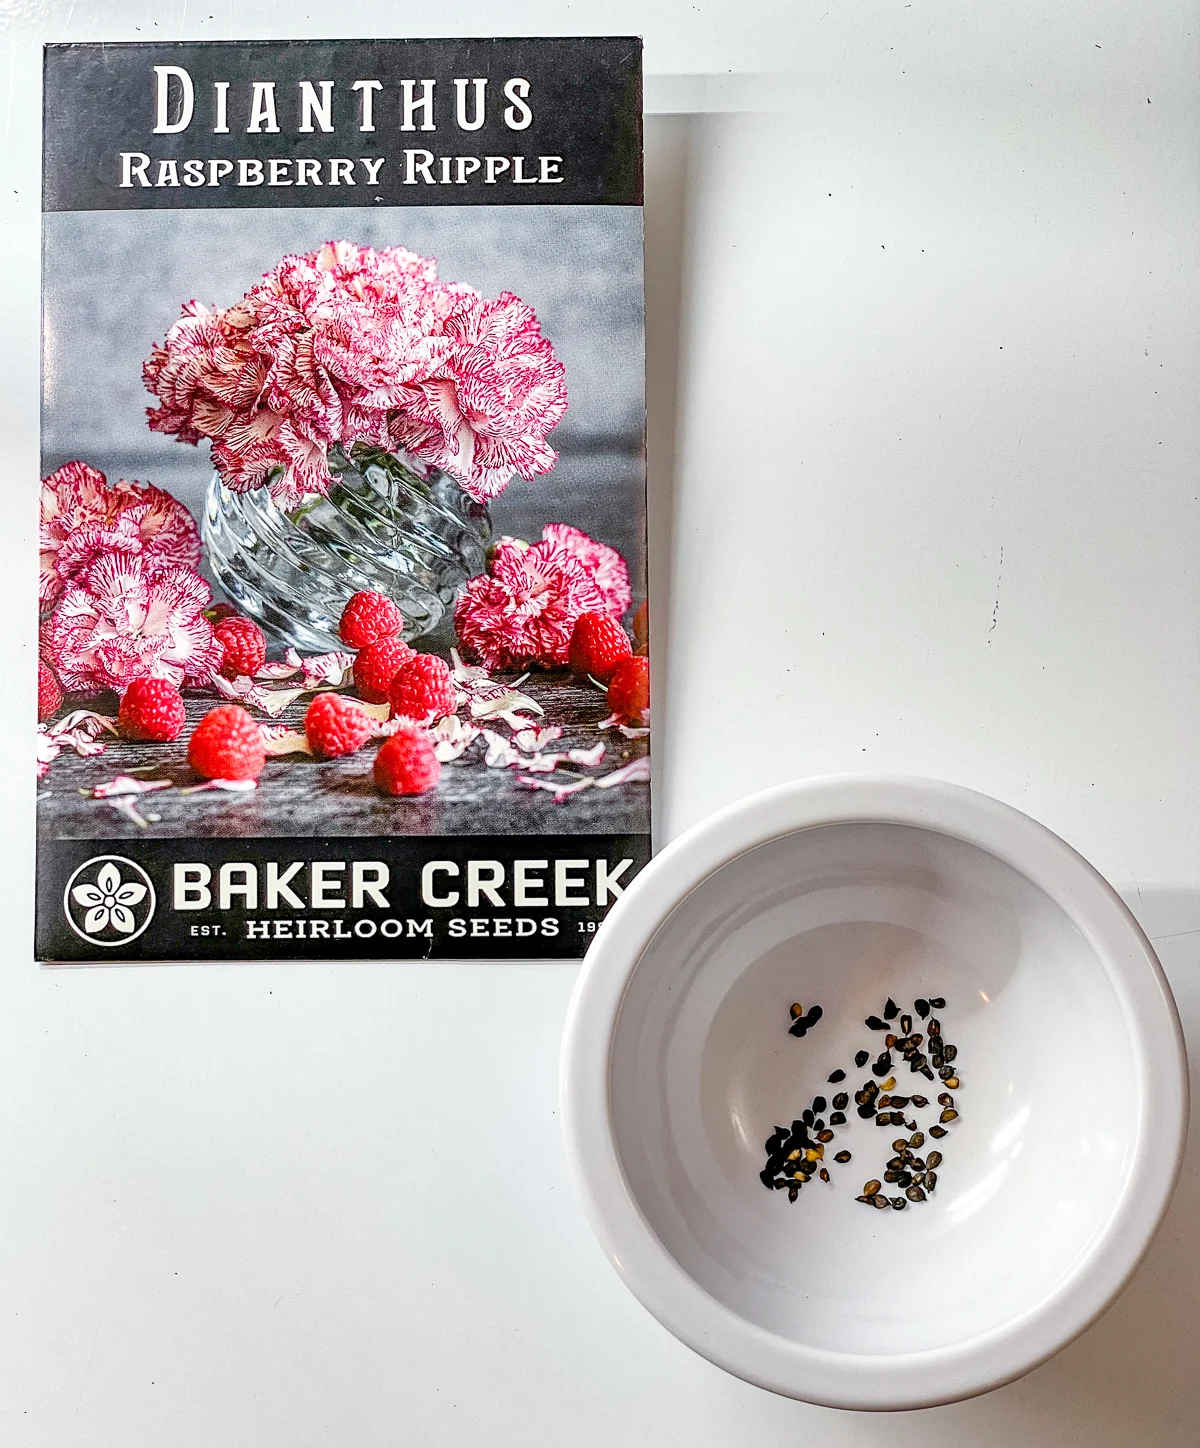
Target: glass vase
380	527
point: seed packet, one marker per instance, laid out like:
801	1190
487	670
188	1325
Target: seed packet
342	575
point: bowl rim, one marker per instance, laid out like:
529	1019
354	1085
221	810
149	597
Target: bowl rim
873	1381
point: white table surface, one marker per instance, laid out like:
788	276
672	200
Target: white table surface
925	435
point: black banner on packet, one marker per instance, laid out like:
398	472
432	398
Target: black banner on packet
342	123
465	897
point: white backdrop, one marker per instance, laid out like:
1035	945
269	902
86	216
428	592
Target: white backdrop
922	307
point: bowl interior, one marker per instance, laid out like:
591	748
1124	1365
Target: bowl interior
703	1069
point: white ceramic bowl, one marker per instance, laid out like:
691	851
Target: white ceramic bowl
678	1064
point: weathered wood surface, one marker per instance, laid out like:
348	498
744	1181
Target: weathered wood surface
298	795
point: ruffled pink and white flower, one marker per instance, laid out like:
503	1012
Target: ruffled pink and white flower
124	619
348	344
523	611
83	517
605	564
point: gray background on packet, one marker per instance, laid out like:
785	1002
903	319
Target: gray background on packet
113	282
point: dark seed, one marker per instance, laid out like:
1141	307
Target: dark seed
824	1175
919	1101
921	1007
899	1144
891	1010
945	1072
938	1131
870	1188
949	1114
838	1118
864	1199
807	1117
906	1024
935	1027
925	1071
900	1100
945	1099
793	1193
838	1075
938	1002
879	1200
841	1101
891	1176
917	1139
904	1179
819	1104
930	1180
842	1157
934	1158
798	1029
824	1136
884	1101
861	1058
866	1112
876	1024
916	1040
819	1124
918	1179
899	1203
896	1164
952	1083
915	1194
950	1052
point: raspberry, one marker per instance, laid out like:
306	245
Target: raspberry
598	644
336	725
629	689
151	709
245	646
641	627
422	690
227	744
368	617
49	694
406	763
376	666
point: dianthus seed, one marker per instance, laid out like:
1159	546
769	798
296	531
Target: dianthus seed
906	1024
861	1058
819	1104
950	1052
938	1131
917	1139
876	1024
899	1203
841	1101
879	1200
930	1180
891	1176
919	1101
935	1027
915	1194
938	1002
921	1007
838	1118
842	1157
899	1144
871	1187
891	1010
934	1159
866	1111
838	1075
949	1114
825	1135
824	1175
952	1083
945	1099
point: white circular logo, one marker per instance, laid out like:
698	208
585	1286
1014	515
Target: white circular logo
109	900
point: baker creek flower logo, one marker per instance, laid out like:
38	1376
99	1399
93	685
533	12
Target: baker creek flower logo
109	900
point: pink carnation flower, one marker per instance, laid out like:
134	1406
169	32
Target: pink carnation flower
347	344
605	564
484	414
124	620
83	517
523	611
